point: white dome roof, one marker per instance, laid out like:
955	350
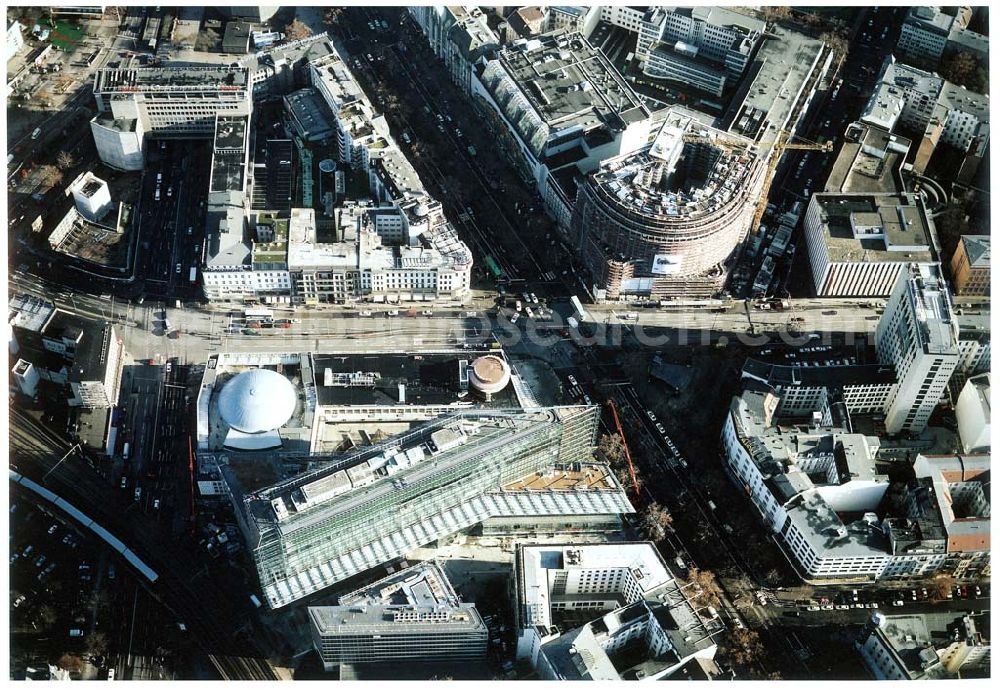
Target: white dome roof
257	400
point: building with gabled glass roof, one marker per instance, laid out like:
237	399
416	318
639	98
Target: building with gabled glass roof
380	502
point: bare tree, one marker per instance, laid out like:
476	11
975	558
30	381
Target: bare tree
297	30
612	448
704	588
657	521
70	662
774	14
838	44
65	160
965	69
97	644
50	175
943	585
742	647
333	15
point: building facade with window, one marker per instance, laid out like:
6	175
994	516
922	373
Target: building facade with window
413	615
918	335
381	501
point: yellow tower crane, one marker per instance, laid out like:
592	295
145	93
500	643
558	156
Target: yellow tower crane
780	145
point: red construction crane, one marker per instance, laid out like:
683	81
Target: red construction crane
628	455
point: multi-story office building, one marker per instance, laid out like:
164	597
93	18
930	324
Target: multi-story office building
661	221
459	35
816	487
628	17
582	18
970	266
941	112
65	350
96	372
345	396
973	348
924	35
704	47
379	502
412	616
402	249
928	34
950	499
636	603
926	646
918	335
177	102
860	243
817	386
802	481
870	160
558	108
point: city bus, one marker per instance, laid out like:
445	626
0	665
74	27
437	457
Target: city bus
494	268
258	314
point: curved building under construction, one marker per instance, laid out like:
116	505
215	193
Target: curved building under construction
663	221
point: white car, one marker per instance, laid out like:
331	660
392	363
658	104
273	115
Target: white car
652	417
659	427
529	312
571	379
156	504
392	312
366	313
427	312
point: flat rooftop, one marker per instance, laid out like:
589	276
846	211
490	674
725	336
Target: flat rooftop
858	169
875	227
424	584
930	19
569	83
586	477
91	359
929	297
188	78
29	312
784	62
311	112
229	158
816	376
374	380
415	620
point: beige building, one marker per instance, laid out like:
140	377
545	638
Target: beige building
970	266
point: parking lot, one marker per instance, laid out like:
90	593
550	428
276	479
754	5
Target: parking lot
56	576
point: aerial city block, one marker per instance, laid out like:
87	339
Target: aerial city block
597	342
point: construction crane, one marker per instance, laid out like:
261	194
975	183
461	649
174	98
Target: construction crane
780	145
628	455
